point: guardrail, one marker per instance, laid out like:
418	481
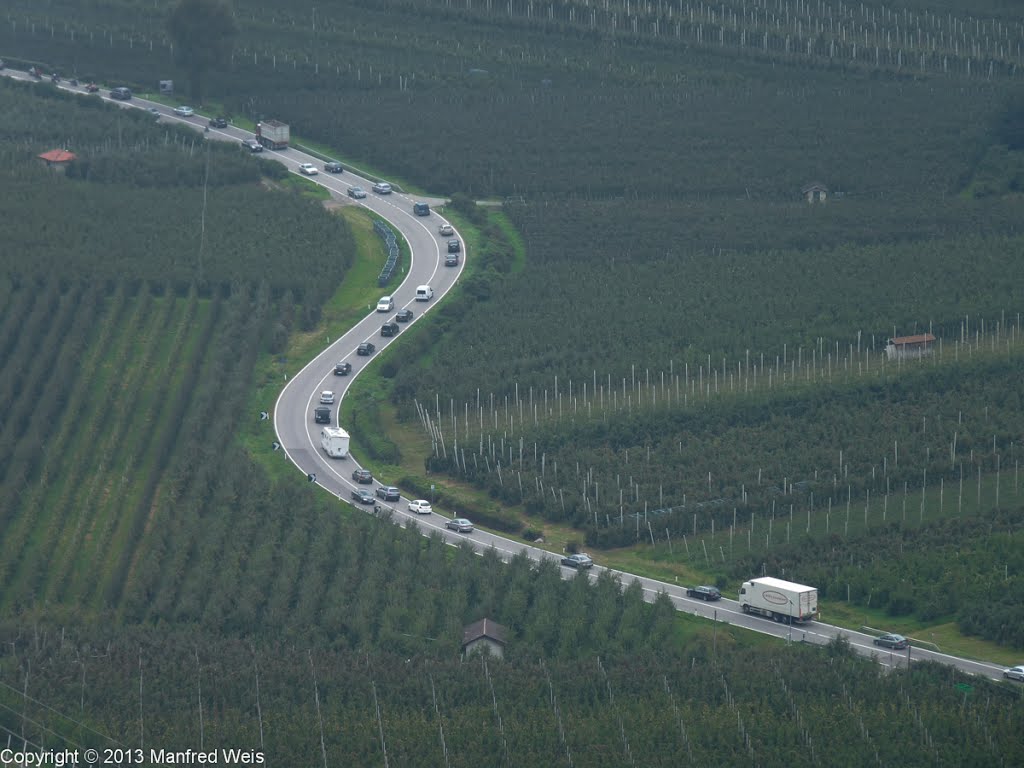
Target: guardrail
387	234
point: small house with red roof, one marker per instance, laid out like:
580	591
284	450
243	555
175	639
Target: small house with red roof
57	159
910	347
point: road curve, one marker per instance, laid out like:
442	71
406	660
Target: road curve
298	435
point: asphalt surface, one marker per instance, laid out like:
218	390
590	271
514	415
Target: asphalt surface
299	436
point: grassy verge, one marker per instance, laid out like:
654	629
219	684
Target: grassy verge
350	303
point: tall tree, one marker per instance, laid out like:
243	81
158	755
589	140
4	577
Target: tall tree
203	32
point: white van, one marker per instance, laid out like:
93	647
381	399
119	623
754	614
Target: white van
424	293
386	304
334	442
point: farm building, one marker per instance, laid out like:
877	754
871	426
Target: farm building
910	347
484	636
57	159
815	192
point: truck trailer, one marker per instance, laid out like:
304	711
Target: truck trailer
779	600
273	134
334	441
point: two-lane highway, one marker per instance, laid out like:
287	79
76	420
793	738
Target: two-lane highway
299	435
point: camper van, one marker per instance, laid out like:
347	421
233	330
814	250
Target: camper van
334	441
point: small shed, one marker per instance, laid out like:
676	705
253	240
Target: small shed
57	159
910	347
484	636
815	192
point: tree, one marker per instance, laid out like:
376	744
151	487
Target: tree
203	32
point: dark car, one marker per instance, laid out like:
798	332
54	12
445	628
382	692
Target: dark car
121	93
252	145
578	561
389	329
704	593
92	88
896	642
218	122
389	493
451	259
421	209
365	349
362	476
343	368
333	166
454	246
363	496
322	415
403	315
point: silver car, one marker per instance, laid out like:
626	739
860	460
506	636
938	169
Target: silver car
1014	673
460	524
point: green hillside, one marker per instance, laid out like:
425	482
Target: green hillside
660	351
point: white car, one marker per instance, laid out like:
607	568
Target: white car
184	111
1014	673
308	169
327	397
386	304
460	524
445	230
420	507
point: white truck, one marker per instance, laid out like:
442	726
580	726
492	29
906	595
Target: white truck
779	600
334	441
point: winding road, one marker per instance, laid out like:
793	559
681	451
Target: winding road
298	435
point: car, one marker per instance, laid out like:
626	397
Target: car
92	88
389	329
451	259
121	93
362	496
322	415
252	145
403	315
445	230
896	642
420	507
184	111
154	112
704	593
385	304
343	368
382	188
1014	673
365	349
454	246
333	166
578	561
362	475
327	397
218	122
460	524
308	169
356	192
421	209
389	493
